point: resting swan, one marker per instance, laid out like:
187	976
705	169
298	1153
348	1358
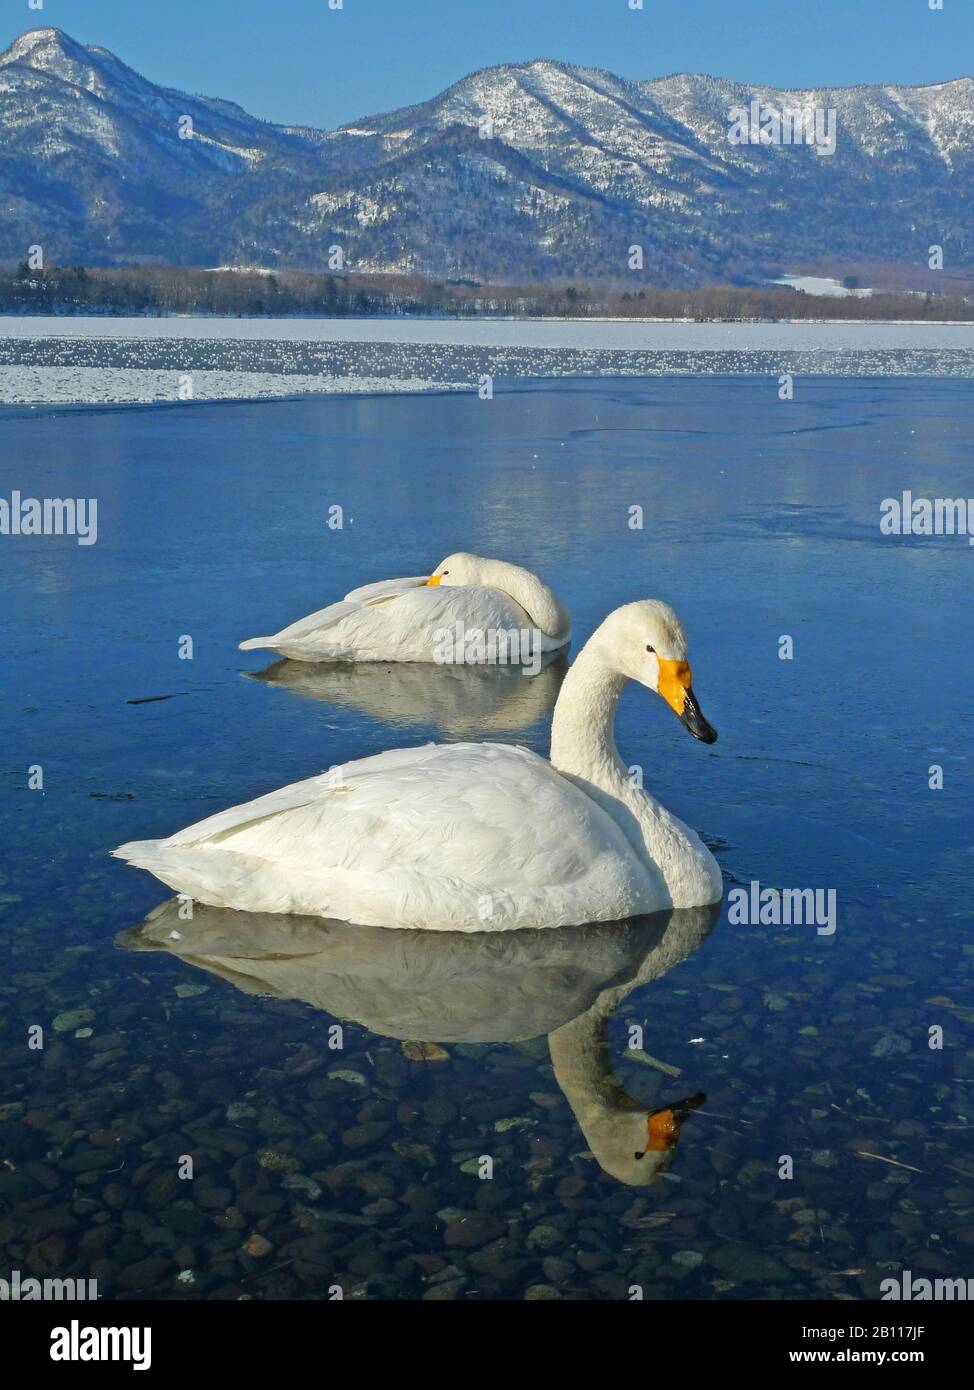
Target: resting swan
417	619
472	836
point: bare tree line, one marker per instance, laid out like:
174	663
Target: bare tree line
166	290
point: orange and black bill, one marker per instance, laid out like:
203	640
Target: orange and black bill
675	686
663	1126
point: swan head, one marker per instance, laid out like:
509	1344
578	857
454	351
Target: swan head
460	568
645	642
659	1138
637	1147
539	603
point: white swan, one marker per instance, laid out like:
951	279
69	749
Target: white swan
472	836
418	619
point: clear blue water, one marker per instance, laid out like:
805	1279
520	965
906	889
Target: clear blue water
761	520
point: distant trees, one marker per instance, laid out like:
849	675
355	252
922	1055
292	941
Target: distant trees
43	291
163	290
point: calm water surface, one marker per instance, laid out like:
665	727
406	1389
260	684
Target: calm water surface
358	1167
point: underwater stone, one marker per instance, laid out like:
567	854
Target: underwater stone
71	1019
239	1110
297	1182
351	1078
415	1153
365	1135
276	1162
472	1229
546	1238
258	1247
514	1122
446	1291
689	1259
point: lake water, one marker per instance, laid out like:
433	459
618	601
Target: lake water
317	1167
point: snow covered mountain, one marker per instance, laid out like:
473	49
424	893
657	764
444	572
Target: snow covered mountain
519	172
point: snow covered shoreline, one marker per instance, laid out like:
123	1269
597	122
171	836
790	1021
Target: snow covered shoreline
619	335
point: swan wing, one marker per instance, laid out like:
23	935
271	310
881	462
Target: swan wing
399	620
461	837
385	586
322	628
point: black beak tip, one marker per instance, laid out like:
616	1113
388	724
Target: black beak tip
693	720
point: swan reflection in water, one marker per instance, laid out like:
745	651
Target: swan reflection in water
454	699
450	987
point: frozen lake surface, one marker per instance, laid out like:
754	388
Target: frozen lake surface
624	335
129	360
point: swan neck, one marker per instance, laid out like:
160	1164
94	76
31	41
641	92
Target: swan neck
582	728
582	1065
612	1122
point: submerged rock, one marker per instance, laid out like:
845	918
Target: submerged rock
297	1182
471	1229
258	1247
688	1259
276	1162
239	1110
365	1135
71	1019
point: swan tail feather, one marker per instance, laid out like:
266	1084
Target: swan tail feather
219	880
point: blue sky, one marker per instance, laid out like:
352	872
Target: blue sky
300	61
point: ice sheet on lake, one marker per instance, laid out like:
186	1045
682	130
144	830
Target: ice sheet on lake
129	360
76	385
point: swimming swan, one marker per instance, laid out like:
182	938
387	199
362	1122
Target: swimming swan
472	836
417	619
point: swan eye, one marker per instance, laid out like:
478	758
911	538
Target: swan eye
650	649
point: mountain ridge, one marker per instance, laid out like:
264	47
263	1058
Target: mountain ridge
536	170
